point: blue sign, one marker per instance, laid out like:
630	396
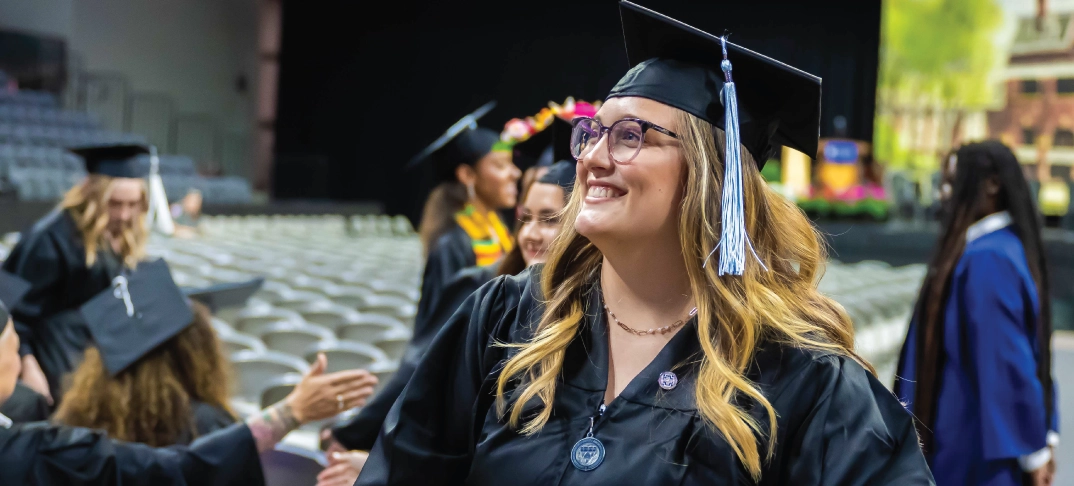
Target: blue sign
841	152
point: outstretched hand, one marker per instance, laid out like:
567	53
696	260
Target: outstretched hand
320	396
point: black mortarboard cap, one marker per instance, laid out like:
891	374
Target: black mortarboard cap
562	174
680	66
225	295
561	141
114	160
12	289
462	143
136	314
535	151
551	145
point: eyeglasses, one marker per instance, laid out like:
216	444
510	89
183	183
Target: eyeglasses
624	140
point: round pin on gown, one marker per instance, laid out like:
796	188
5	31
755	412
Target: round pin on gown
667	380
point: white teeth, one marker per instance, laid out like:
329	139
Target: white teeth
603	192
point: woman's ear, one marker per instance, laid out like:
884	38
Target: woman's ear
466	175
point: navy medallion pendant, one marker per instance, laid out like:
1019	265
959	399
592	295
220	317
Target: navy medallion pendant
587	454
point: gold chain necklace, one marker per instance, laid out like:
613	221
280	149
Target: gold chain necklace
647	332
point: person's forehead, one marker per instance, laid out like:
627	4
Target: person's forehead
543	194
636	107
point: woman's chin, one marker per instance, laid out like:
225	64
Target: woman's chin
593	225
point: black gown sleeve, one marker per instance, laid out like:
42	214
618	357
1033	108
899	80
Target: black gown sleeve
361	432
47	454
38	260
209	419
451	253
25	405
428	435
857	433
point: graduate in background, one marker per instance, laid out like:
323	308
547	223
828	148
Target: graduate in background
151	304
173	393
97	233
459	226
536	142
976	366
631	357
539	224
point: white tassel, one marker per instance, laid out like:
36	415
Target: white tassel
733	237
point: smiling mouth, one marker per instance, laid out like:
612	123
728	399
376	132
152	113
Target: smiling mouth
603	192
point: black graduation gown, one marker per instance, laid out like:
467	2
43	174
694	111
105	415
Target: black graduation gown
452	253
207	419
25	405
52	258
361	431
837	424
45	454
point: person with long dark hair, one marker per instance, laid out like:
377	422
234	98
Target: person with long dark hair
976	366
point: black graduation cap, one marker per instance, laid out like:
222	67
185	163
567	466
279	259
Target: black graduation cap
546	147
114	160
562	174
12	289
462	143
136	314
225	295
534	151
561	141
680	66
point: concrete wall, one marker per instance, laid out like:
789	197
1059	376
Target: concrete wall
192	51
49	17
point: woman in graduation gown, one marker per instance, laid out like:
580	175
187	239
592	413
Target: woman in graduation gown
71	254
539	224
460	227
976	365
544	136
46	454
175	393
638	354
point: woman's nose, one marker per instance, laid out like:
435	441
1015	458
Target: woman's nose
596	158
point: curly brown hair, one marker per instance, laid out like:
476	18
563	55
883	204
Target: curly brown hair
150	402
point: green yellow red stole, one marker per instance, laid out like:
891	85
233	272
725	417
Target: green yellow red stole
491	240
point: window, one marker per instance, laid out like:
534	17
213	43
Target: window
1063	138
1030	86
1064	85
1029	137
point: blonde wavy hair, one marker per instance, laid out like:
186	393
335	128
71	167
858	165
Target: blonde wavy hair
734	314
88	205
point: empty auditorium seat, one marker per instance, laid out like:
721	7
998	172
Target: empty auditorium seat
346	355
370	327
254	369
393	342
234	342
293	338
